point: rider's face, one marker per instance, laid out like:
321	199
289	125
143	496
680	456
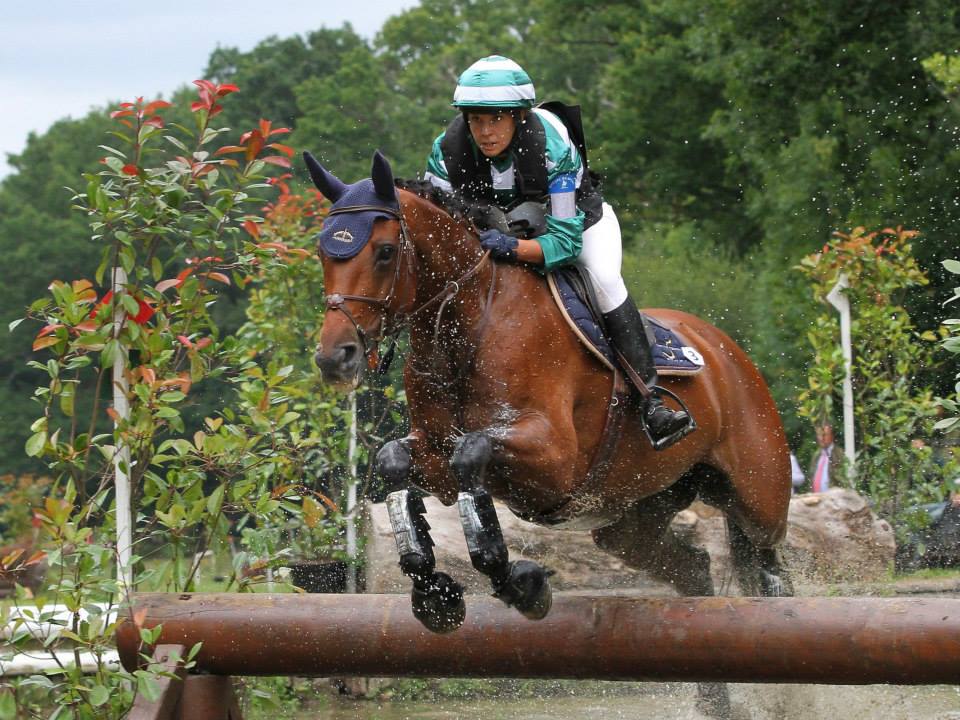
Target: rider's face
492	131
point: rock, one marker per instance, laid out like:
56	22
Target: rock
832	536
578	564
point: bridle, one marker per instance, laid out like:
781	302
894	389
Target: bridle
391	327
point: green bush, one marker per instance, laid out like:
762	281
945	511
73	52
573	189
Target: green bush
894	414
177	209
951	344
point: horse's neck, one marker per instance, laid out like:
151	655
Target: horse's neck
446	252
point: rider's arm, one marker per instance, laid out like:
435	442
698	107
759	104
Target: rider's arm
562	242
530	251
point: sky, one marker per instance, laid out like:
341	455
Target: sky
63	58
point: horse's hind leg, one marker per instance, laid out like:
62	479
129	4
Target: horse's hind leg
522	584
756	512
758	570
643	539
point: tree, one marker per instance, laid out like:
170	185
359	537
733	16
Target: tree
270	73
40	240
422	52
348	103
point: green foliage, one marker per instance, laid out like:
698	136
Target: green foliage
175	207
894	413
349	102
766	126
951	344
677	254
21	495
270	73
946	72
181	221
41	240
267	698
280	393
748	130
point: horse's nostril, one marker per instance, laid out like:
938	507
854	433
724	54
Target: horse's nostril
348	353
341	359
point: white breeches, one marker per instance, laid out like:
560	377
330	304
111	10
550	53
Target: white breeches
600	259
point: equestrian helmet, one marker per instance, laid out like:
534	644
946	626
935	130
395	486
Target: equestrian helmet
494	82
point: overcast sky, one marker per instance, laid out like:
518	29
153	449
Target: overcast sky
62	58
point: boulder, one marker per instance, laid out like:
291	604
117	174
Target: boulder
578	564
832	536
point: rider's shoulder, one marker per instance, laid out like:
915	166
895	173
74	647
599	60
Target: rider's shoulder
560	150
552	125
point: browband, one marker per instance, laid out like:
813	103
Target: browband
364	208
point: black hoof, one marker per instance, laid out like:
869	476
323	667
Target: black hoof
527	588
439	605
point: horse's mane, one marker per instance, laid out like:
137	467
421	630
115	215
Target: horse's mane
453	203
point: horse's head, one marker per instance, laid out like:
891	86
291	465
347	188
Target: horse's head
367	263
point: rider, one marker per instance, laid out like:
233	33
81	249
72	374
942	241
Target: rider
501	150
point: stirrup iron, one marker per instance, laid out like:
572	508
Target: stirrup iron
665	442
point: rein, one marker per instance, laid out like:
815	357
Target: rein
336	301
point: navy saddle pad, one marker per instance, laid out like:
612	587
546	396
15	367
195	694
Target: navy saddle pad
671	354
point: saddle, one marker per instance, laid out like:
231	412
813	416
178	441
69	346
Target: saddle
575	297
672	356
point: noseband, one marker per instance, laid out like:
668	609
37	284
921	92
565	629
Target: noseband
388	329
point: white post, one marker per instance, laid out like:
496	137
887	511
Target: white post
841	302
121	457
352	497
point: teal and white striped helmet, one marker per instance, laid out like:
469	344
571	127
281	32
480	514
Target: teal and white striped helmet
494	81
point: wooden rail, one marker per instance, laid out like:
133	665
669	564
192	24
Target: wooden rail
782	640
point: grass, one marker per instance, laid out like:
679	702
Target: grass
930	574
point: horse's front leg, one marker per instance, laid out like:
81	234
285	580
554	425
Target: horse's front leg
522	584
437	599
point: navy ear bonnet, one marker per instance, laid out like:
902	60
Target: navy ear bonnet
345	234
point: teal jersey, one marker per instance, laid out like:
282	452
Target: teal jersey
564	237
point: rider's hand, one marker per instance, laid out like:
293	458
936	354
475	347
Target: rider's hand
501	247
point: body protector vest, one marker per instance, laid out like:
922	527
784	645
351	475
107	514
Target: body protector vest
469	170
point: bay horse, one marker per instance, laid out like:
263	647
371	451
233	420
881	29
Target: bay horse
505	402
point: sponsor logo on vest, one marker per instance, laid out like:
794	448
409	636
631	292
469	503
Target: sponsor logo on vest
343	236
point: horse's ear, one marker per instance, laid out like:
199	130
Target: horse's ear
382	177
326	182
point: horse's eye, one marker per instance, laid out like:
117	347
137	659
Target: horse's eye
385	253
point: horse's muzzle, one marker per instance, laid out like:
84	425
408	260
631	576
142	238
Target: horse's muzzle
342	365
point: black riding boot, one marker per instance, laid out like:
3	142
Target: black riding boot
628	333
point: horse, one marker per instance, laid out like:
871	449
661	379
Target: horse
505	402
